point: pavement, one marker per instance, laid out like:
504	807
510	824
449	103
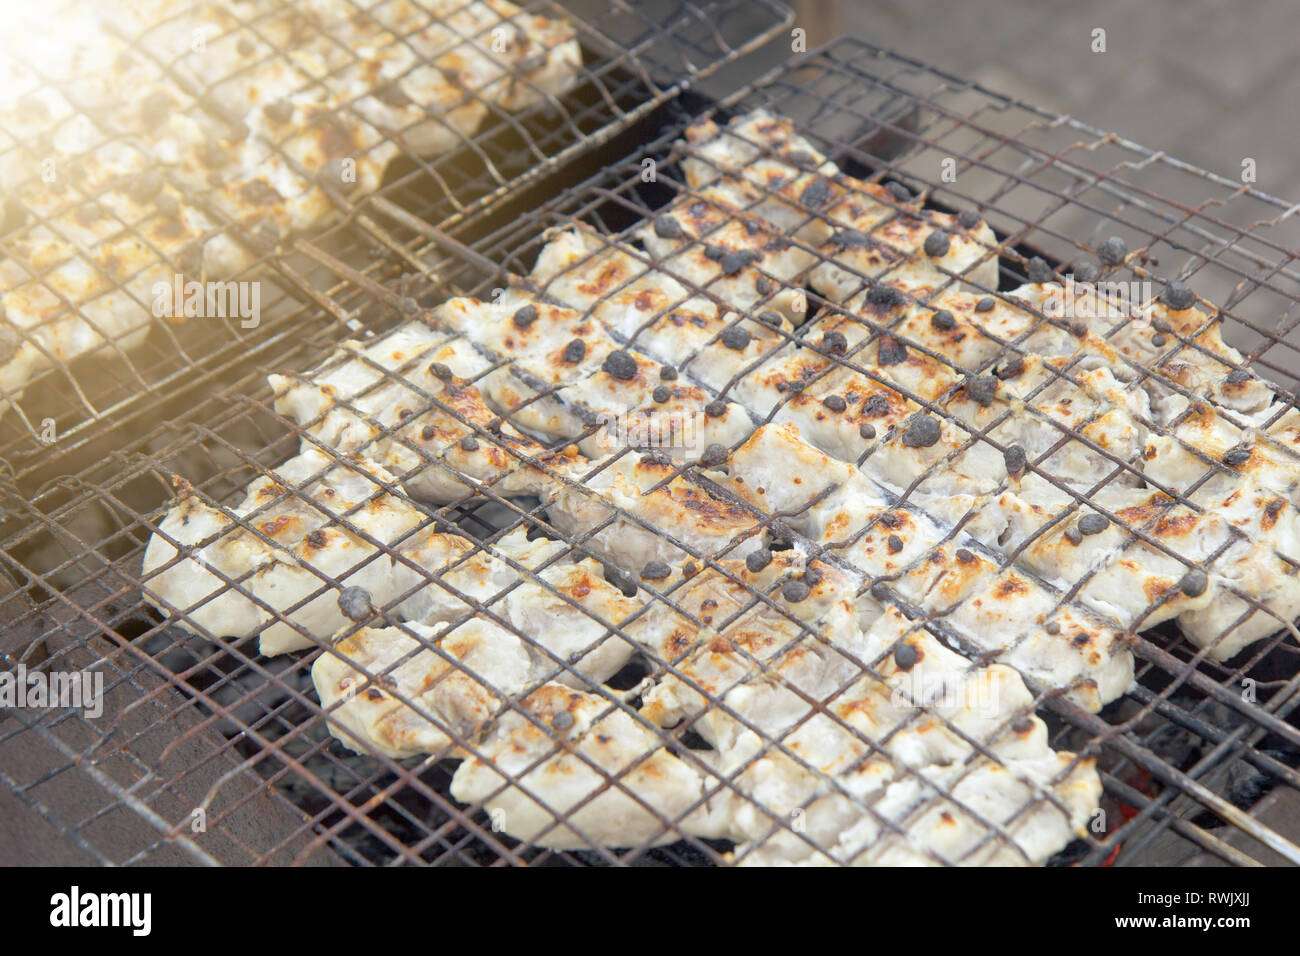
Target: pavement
1208	81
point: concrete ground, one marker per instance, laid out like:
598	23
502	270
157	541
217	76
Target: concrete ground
1207	81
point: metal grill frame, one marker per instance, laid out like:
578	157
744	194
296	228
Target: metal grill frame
1165	662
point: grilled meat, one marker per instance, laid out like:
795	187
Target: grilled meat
582	771
406	401
858	766
310	528
565	376
399	690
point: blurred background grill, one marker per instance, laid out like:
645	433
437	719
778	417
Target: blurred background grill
1193	771
635	58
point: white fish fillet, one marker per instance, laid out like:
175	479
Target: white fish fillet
399	690
549	390
562	748
856	763
386	399
299	537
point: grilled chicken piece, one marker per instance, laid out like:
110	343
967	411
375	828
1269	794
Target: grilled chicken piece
493	50
1255	581
405	400
652	312
97	264
1080	434
1256	586
862	231
877	539
933	568
1059	647
563	607
970	330
721	254
583	773
598	274
69	78
794	623
559	600
849	396
780	472
537	340
1171	353
435	56
567	617
1204	568
567	377
924	828
1206	456
764	165
938	570
1008	616
846	414
1282	430
442	576
638	510
854	337
616	816
785	372
300	538
920	253
866	771
401	691
640	409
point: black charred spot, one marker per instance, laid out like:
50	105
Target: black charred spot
816	194
891	351
923	432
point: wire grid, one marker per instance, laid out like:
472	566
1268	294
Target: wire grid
635	58
1029	172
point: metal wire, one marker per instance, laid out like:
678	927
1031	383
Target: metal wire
74	543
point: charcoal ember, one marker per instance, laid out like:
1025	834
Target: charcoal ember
243	696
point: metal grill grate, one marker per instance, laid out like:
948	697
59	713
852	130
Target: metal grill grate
635	58
1190	765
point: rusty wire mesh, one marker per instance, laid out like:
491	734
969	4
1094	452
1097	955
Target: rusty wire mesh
1048	185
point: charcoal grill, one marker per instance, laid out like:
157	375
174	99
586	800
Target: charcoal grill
1193	770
